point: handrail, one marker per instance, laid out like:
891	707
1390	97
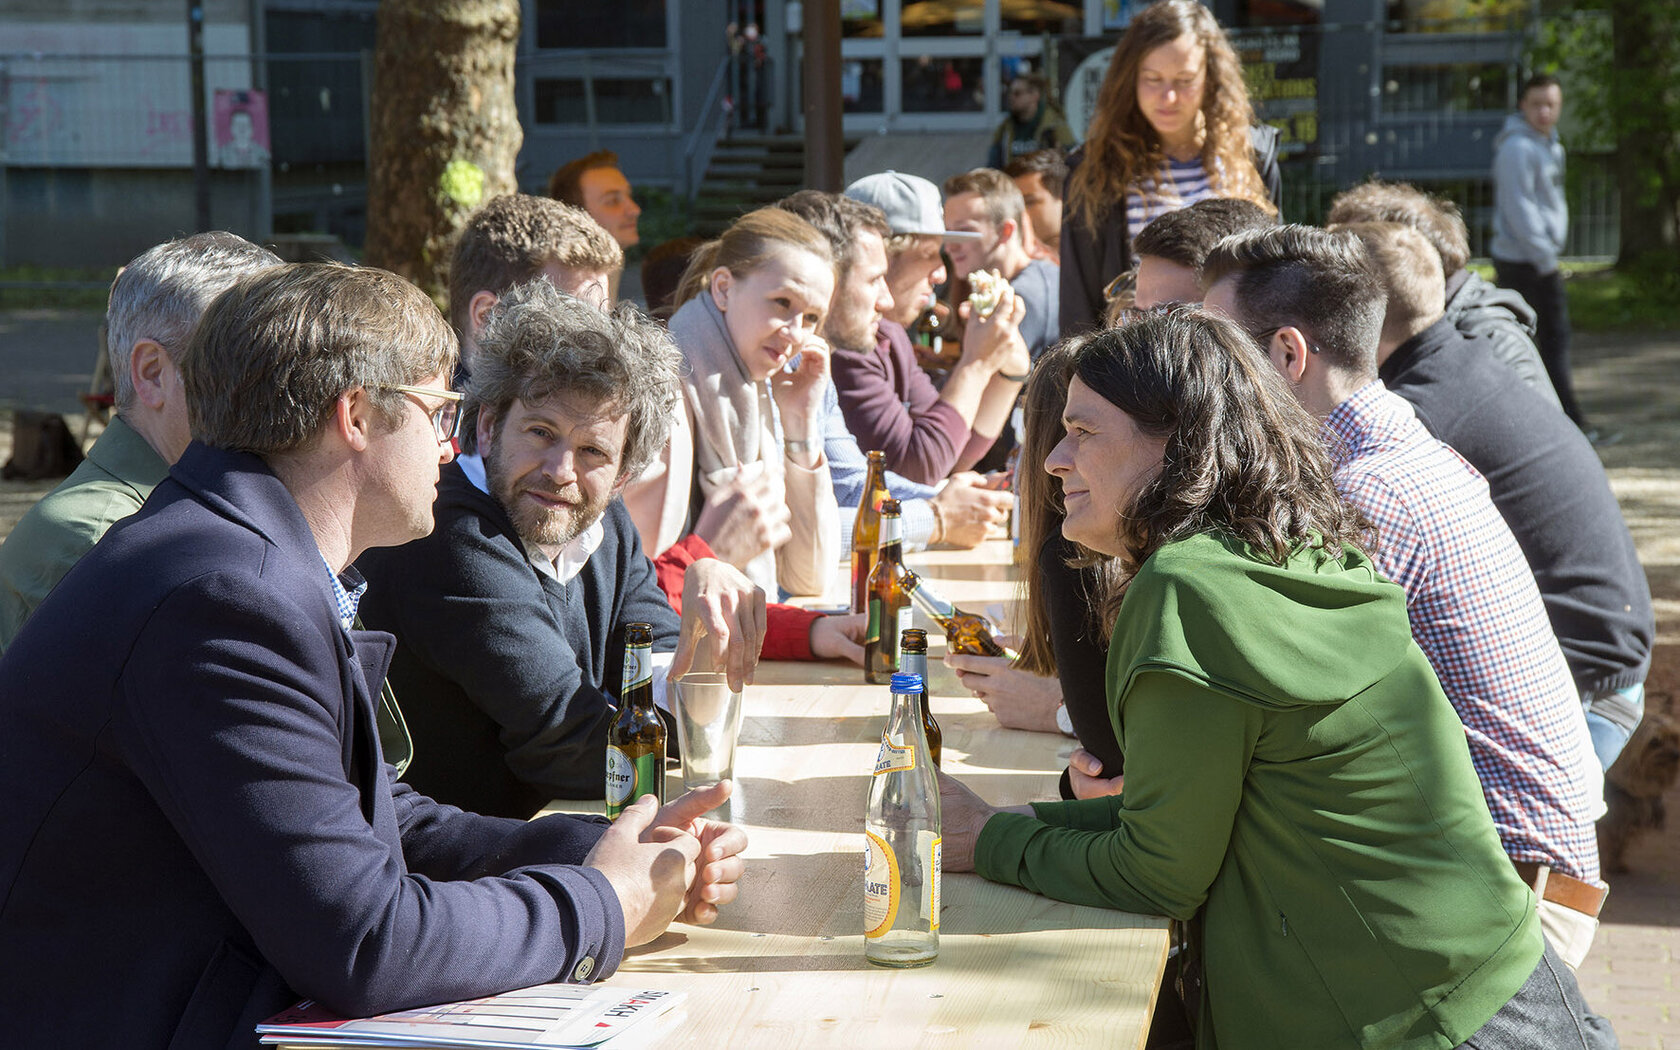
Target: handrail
710	111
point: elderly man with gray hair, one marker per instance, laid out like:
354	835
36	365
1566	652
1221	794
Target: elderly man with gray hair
510	616
155	303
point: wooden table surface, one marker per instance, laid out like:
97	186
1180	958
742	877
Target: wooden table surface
784	966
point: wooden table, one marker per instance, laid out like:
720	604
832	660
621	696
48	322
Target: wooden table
784	967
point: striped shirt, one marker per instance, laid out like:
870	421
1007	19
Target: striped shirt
1476	613
1182	184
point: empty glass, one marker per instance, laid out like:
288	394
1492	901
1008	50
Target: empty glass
708	723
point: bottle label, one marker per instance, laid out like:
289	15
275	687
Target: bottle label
872	633
934	857
638	666
880	886
894	759
628	779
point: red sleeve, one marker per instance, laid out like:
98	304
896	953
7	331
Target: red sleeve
674	561
787	633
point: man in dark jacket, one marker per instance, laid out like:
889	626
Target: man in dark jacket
1476	307
1544	478
200	826
510	616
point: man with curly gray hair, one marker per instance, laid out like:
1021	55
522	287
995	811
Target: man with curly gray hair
509	617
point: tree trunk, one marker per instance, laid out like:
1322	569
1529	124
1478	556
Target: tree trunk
1645	59
445	130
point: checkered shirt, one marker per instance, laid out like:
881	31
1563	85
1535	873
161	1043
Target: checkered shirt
1476	613
347	590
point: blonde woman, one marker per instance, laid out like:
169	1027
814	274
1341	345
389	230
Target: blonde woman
751	303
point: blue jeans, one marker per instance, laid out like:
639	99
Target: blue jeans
1547	1012
1612	716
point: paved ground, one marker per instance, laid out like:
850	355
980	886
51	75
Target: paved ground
1627	383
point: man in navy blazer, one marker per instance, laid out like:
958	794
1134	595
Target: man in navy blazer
198	825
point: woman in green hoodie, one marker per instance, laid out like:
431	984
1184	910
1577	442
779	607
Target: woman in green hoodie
1293	772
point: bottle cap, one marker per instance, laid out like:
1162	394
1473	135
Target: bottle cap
906	683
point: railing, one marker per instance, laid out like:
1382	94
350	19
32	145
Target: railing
702	141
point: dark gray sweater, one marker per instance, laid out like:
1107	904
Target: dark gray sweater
1548	483
508	678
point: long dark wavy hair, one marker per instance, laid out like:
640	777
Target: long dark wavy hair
1123	150
1039	496
1242	456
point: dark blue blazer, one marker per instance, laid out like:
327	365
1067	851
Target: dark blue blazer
197	825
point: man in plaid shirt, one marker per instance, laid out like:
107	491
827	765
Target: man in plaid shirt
1316	304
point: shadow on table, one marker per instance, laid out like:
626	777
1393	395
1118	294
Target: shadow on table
794	731
992	747
831	804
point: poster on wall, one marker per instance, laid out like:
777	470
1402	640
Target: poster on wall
1280	66
240	119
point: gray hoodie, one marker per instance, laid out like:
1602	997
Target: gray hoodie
1530	216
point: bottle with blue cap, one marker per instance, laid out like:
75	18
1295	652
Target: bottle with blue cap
902	840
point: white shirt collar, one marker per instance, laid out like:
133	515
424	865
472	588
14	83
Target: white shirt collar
573	556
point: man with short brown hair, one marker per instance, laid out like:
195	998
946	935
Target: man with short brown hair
987	203
594	183
516	238
1502	319
200	825
1040	176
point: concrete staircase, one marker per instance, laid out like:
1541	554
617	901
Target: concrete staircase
747	172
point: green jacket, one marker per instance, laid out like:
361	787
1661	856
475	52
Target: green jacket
1294	770
120	471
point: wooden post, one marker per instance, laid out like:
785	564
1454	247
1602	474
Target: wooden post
825	156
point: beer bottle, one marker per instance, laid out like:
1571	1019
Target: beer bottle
866	529
901	841
971	633
889	606
636	738
912	659
926	333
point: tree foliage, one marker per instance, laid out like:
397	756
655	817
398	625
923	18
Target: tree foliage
445	129
1620	63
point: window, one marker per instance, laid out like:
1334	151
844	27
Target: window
568	24
935	84
566	101
944	18
860	85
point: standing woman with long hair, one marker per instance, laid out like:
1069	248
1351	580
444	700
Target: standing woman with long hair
1172	126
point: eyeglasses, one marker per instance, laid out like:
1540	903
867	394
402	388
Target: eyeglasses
1124	285
446	418
1119	316
1264	338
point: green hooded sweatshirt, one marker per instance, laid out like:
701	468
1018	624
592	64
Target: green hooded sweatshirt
1294	770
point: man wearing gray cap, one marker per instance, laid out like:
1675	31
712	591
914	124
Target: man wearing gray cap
916	217
878	380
